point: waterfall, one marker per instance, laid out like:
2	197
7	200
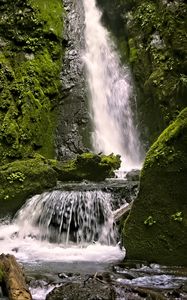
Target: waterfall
63	226
110	93
68	216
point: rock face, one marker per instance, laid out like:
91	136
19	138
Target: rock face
73	130
156	227
13	278
30	66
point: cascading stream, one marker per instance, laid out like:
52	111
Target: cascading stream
68	217
63	226
110	92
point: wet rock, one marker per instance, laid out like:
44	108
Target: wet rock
133	175
156	227
73	131
90	290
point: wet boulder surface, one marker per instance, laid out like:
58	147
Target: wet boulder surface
156	227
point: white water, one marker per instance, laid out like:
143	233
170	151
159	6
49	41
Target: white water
110	92
64	227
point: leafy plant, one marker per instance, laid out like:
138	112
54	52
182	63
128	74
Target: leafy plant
149	221
177	216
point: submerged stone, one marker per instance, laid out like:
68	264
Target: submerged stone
156	227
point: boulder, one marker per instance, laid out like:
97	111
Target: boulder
156	227
88	166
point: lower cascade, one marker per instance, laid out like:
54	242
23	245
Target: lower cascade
65	226
64	217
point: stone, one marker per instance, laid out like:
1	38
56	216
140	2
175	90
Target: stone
157	224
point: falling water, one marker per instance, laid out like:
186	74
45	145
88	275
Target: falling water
64	217
63	226
110	92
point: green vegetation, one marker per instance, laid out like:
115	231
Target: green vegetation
149	221
22	179
156	48
30	65
88	166
162	197
177	216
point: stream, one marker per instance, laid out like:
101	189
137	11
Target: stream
52	263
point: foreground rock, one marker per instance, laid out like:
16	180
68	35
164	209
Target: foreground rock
83	291
23	178
156	227
104	286
13	279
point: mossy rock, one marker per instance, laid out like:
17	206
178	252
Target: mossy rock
88	166
31	34
156	227
21	179
155	45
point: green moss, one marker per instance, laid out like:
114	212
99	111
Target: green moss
149	221
162	198
165	151
51	14
22	179
30	66
177	216
155	33
88	166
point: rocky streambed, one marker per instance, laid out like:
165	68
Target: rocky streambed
128	280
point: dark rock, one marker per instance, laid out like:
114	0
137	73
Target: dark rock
91	290
73	130
133	175
156	227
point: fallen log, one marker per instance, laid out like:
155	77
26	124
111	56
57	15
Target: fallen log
14	279
117	214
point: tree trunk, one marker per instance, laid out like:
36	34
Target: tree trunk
14	278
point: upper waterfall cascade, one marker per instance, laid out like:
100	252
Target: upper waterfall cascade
110	93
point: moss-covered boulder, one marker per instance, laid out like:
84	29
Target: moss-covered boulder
22	179
156	227
88	166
